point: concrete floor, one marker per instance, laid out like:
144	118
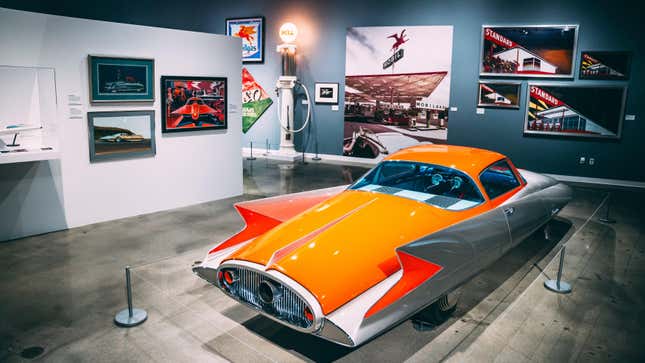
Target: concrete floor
61	291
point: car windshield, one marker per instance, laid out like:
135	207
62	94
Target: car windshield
436	185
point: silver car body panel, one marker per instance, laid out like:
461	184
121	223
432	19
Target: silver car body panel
462	250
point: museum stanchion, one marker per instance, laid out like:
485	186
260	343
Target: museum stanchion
316	158
251	157
606	218
558	285
131	316
266	151
304	160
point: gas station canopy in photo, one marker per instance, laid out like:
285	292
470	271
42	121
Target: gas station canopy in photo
398	88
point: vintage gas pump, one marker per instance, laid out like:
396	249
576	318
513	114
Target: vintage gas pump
285	90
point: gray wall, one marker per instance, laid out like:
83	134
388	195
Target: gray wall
604	25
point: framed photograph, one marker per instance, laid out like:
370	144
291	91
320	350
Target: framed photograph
193	103
499	94
545	51
121	134
605	65
575	111
251	31
118	79
326	93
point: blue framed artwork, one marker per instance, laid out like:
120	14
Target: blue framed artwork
120	79
251	31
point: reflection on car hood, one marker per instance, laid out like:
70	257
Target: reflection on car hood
345	245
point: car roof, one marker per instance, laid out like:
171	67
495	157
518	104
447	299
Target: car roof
470	160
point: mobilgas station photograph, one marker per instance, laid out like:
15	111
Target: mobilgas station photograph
306	181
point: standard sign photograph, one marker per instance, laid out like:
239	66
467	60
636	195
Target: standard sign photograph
563	110
528	51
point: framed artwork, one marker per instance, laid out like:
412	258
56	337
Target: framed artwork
326	93
255	100
193	103
118	79
605	65
121	134
575	111
251	31
499	94
396	93
545	51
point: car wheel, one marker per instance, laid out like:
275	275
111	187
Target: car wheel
441	309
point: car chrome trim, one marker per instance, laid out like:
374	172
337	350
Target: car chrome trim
335	334
295	287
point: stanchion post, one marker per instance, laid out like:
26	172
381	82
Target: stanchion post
558	285
251	157
130	317
606	218
266	152
316	158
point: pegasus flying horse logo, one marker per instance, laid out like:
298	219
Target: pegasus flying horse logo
399	39
246	33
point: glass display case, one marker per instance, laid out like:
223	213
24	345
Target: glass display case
28	114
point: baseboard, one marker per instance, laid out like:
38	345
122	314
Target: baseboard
346	160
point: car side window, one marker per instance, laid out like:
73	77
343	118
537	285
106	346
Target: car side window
498	179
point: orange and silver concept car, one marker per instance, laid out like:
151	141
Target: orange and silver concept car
347	263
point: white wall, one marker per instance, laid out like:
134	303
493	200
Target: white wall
189	168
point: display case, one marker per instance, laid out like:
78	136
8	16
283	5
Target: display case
28	114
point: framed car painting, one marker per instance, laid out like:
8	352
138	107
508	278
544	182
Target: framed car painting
575	111
605	65
545	51
121	134
193	103
118	79
499	94
326	93
251	31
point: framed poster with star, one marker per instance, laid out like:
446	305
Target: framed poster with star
193	103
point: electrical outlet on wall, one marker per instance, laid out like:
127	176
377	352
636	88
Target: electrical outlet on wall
592	161
582	160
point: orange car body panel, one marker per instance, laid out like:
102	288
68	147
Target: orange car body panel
415	272
346	244
337	264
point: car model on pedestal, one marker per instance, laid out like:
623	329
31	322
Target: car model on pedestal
347	263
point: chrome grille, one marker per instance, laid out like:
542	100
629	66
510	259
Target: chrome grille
288	307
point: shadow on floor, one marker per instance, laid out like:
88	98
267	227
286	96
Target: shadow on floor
514	266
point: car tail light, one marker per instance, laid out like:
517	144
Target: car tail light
308	314
229	277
